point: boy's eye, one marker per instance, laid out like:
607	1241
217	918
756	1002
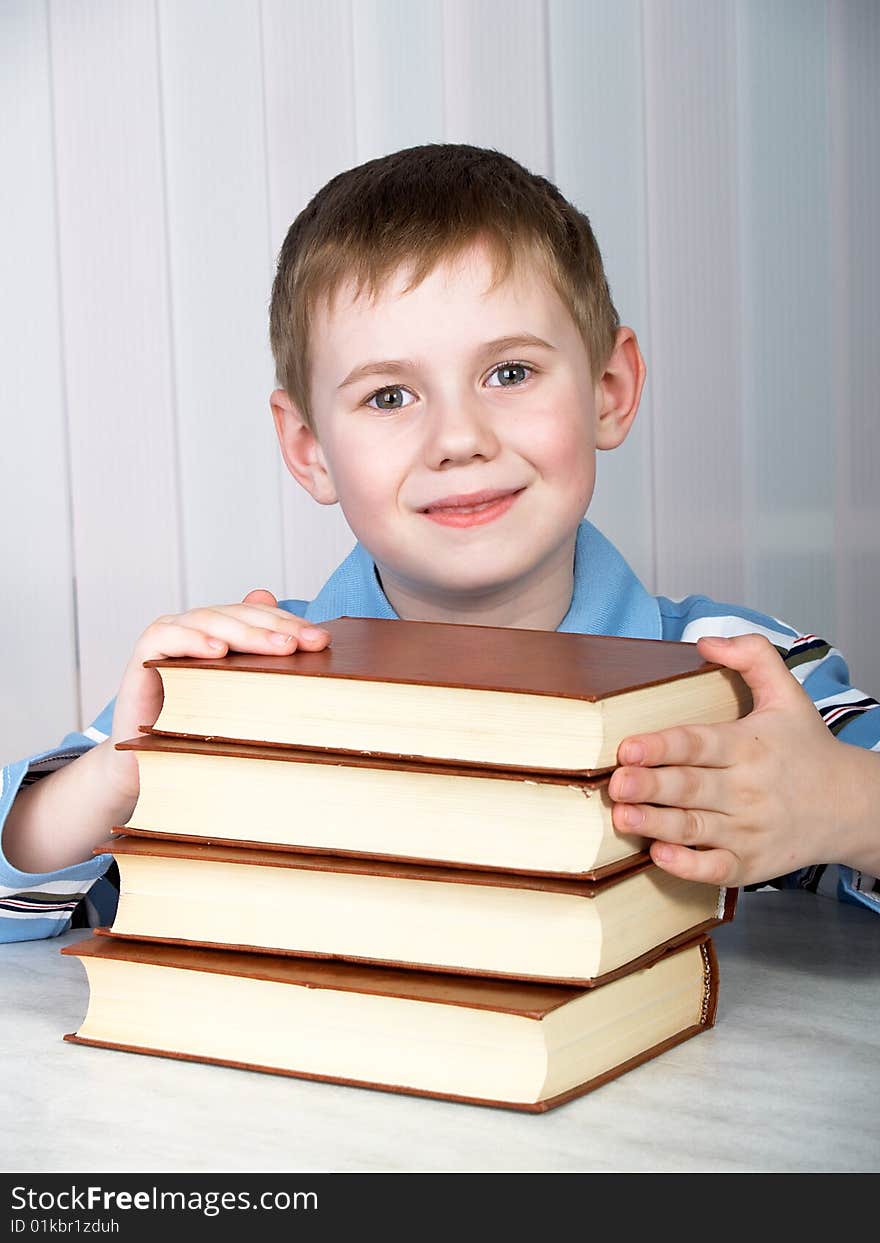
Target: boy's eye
509	374
389	398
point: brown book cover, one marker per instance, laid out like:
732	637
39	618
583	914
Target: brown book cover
151	743
486	658
528	1000
206	852
515	665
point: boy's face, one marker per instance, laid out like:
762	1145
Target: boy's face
422	402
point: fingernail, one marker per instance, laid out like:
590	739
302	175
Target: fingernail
624	788
662	853
216	645
633	816
311	632
282	639
633	753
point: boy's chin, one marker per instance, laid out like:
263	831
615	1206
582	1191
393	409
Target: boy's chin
467	581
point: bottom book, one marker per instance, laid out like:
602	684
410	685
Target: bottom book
484	1041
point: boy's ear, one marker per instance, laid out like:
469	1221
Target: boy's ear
300	449
619	390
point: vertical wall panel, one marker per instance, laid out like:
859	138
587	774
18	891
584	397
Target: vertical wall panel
691	162
398	74
729	159
854	35
597	106
786	323
116	330
495	78
220	276
308	76
38	688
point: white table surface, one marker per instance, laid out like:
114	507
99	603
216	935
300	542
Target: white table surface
787	1080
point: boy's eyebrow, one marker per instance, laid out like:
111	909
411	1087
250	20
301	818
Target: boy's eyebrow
499	345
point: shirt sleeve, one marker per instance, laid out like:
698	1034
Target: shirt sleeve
38	905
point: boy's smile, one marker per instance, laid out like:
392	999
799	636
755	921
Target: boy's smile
457	428
473	510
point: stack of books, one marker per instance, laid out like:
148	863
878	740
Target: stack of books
392	863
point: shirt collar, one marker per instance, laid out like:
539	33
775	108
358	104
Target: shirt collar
607	598
352	590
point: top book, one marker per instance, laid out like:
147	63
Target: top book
535	700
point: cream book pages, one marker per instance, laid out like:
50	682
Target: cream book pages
309	801
503	697
524	1046
438	918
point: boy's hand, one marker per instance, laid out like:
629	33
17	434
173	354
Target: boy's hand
255	625
744	802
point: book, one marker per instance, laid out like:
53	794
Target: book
316	801
407	915
519	1045
468	695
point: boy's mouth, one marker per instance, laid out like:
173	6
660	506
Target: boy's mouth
473	508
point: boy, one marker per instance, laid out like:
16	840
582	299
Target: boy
449	360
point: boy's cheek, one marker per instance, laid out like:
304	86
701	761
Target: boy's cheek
556	435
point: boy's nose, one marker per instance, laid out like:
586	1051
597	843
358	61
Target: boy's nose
458	429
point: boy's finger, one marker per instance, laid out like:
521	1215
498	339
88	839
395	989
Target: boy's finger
701	746
712	867
254	617
679	826
279	619
169	638
218	633
675	786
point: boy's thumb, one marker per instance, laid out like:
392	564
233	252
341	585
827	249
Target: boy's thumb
757	661
260	596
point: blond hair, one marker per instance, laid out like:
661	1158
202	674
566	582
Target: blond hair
420	207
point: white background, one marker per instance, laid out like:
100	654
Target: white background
153	154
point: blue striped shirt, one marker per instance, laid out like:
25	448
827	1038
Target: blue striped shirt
607	599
